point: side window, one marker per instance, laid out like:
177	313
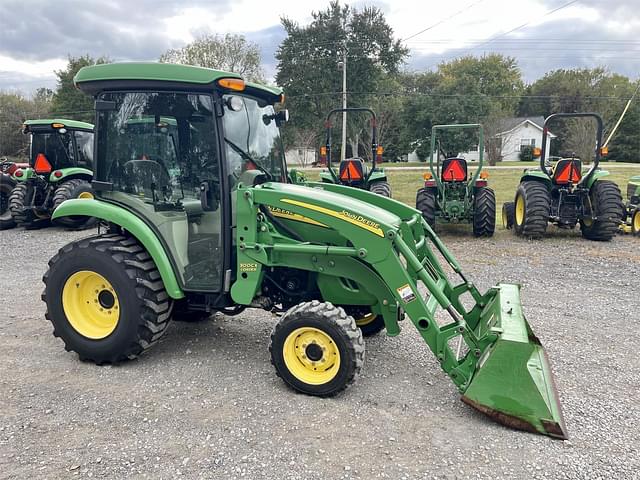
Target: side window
84	143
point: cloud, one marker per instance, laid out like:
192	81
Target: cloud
268	40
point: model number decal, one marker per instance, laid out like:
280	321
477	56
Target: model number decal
248	267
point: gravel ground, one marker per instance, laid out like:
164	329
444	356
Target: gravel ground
206	402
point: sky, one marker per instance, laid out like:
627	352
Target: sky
36	36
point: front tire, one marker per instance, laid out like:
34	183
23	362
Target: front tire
635	222
508	215
426	203
381	188
606	200
105	298
317	349
484	213
532	207
74	188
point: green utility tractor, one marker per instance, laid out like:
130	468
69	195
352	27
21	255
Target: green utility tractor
60	168
214	225
353	172
631	222
452	195
564	195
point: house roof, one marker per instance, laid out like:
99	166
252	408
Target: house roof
509	124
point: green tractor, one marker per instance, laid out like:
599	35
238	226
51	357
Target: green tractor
353	172
452	195
60	168
563	195
632	208
215	224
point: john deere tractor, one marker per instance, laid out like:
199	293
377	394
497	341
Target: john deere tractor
59	169
354	172
451	194
213	224
632	208
564	195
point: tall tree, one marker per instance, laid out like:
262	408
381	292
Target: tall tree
309	62
67	100
231	52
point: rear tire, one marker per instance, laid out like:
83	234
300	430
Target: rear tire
18	202
484	213
132	293
532	215
74	188
368	322
426	203
317	349
6	187
508	215
606	200
381	188
635	222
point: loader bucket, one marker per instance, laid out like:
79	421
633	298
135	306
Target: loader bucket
513	383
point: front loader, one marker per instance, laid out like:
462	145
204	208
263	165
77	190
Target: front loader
354	172
213	225
60	168
451	194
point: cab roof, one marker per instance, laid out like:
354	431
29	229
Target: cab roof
95	79
68	123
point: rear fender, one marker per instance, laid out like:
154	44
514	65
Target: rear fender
377	175
597	175
326	177
536	175
132	224
73	172
27	174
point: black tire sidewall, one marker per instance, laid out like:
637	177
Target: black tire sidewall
125	288
347	356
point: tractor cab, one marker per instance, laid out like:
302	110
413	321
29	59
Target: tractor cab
353	172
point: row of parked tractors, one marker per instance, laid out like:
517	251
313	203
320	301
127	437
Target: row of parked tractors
61	158
558	193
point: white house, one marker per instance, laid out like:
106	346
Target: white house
515	133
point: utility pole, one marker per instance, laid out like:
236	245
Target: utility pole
343	150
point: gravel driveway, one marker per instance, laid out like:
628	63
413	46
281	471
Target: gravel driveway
206	403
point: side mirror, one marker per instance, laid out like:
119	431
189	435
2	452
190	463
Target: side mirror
282	117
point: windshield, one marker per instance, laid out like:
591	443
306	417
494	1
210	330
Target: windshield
252	137
55	146
158	146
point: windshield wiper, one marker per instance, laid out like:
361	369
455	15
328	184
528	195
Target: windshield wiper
248	157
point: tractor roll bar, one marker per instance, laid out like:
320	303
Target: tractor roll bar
374	136
545	132
457	126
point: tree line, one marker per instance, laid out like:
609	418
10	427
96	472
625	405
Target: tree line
471	89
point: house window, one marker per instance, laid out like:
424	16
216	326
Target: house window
527	142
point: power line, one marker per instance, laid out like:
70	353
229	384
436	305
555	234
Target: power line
443	20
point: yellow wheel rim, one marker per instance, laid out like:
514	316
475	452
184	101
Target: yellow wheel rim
366	320
90	304
587	222
636	221
86	195
311	356
519	209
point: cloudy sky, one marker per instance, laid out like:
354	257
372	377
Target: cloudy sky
37	35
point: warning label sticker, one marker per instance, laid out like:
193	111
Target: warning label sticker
406	293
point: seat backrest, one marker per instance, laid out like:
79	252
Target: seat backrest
454	170
352	171
567	170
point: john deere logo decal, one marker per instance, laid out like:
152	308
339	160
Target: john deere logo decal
352	218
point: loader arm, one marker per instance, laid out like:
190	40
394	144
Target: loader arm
487	349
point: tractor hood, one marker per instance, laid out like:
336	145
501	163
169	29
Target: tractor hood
326	207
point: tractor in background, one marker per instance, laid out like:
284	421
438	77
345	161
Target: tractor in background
631	222
353	172
208	236
60	168
562	194
451	194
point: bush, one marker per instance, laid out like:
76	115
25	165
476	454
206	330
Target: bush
526	153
